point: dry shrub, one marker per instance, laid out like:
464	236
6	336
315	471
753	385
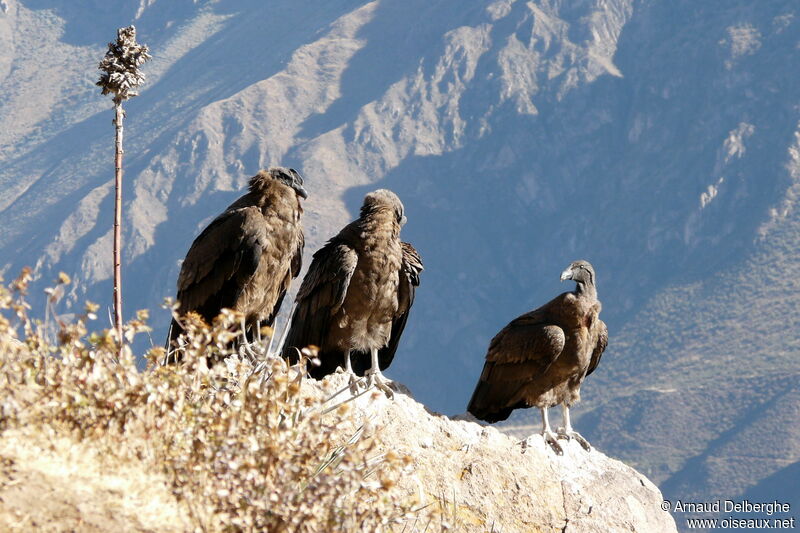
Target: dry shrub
244	450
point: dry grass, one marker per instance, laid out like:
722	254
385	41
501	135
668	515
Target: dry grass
240	450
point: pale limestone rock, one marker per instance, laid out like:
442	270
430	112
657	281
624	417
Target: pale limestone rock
490	484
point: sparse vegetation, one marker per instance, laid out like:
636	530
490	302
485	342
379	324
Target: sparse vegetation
241	449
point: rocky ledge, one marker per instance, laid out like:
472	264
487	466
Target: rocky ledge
487	482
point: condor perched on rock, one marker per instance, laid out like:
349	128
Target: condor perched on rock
541	358
246	258
357	293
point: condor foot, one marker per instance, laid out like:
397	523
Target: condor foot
376	379
572	434
549	438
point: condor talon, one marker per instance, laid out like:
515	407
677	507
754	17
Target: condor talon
568	433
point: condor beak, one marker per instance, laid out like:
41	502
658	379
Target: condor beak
567	274
300	191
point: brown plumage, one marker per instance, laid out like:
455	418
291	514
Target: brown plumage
410	271
541	358
356	296
245	258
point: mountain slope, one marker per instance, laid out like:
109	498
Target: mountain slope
656	139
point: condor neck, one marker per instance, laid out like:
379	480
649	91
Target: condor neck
268	199
586	290
381	224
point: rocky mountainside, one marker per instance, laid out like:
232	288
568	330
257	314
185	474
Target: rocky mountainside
657	139
481	479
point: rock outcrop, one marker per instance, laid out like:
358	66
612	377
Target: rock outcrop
485	481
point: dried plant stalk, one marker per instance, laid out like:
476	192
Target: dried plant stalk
121	77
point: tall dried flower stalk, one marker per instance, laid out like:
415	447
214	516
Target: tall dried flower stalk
121	77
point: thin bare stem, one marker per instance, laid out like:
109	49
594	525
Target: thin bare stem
286	328
119	115
349	399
